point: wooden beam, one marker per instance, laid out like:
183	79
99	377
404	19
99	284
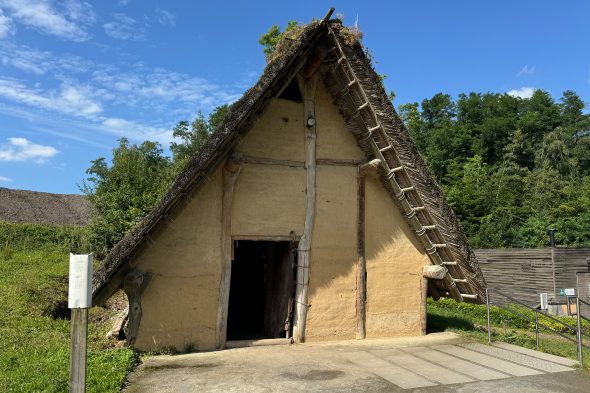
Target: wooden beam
307	88
241	159
337	162
134	284
270	238
361	269
231	170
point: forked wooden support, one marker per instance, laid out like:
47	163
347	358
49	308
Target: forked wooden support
307	87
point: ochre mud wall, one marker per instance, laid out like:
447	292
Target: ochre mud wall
180	302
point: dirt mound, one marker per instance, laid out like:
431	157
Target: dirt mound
44	208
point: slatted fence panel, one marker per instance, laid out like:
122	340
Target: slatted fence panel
518	272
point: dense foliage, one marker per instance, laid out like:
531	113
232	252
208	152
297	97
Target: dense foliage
138	176
511	167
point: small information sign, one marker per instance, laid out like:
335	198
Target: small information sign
80	284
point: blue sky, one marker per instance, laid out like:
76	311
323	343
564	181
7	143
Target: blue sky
75	76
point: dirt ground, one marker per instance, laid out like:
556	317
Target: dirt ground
435	363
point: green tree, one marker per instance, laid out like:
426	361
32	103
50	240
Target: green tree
273	36
124	191
193	138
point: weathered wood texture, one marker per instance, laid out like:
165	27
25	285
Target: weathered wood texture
523	273
361	278
134	284
230	174
79	332
307	87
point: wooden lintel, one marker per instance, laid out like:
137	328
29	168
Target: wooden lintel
269	238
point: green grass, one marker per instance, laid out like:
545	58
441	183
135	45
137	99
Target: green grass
470	320
34	346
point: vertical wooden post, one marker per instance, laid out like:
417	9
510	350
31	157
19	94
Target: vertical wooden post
79	301
230	173
79	332
307	87
423	302
361	277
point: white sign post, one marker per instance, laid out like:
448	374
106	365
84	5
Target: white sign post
79	301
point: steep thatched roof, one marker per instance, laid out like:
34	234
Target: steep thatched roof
44	208
331	46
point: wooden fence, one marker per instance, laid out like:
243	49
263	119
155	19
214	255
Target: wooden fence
524	273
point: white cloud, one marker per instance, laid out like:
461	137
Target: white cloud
158	88
39	62
124	28
123	2
69	22
526	70
21	149
70	99
136	131
5	25
165	18
5	179
523	92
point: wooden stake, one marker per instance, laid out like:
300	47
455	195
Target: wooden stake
361	278
307	87
230	174
79	332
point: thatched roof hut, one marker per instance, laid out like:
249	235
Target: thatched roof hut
24	206
311	170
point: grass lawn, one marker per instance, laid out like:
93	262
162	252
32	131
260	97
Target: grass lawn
470	320
34	349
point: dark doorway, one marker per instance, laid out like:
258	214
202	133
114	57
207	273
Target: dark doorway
261	290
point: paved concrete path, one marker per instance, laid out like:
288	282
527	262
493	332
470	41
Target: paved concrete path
434	363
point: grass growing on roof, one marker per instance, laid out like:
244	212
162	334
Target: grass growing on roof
34	349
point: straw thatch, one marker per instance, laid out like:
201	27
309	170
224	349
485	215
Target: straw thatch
24	206
313	40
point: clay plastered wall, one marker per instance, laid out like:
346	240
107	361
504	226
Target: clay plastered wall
395	305
180	303
332	293
333	138
278	134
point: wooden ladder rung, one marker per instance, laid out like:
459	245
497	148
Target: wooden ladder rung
449	263
468	296
388	147
351	83
429	227
340	60
373	129
462	280
419	208
363	106
406	189
440	245
394	170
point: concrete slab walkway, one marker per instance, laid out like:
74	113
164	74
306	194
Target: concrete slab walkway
440	362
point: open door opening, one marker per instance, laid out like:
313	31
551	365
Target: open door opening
261	290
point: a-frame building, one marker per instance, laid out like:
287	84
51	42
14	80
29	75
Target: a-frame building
309	214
